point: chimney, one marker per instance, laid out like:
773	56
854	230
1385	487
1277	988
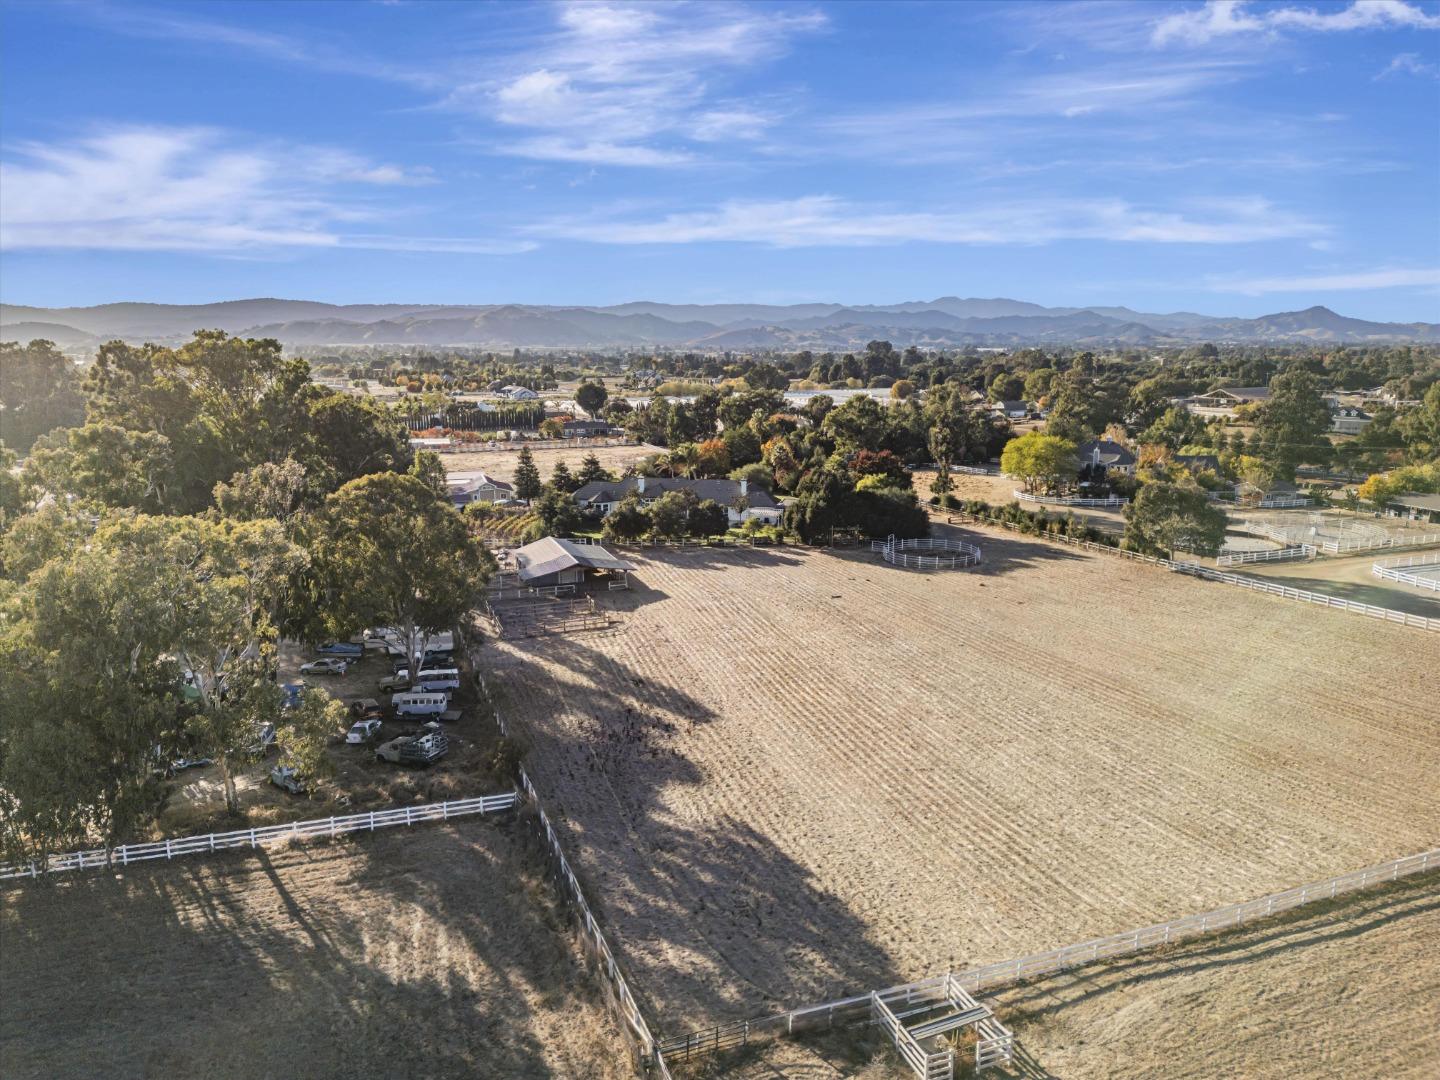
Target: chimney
640	484
744	487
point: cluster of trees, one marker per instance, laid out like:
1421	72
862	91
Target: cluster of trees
210	500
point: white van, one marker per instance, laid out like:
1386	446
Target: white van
437	679
420	704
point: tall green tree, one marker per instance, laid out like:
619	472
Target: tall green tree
1164	518
591	396
1292	425
527	475
39	391
385	552
1040	460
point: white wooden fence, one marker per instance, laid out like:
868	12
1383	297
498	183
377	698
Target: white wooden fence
1354	607
618	989
1397	541
1241	558
1058	500
952	554
1394	570
857	1009
263	836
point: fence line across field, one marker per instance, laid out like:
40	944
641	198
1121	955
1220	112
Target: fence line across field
263	836
1354	607
1394	570
989	976
1060	500
1241	558
619	990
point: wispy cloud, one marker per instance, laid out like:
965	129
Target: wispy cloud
1409	64
1233	18
829	221
198	190
1349	281
626	84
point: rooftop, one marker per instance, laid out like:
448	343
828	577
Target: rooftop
550	555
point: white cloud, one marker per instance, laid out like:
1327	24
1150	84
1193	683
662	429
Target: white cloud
829	221
195	190
627	84
1342	282
1410	64
1228	18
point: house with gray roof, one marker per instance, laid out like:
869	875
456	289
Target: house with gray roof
551	561
741	501
1099	456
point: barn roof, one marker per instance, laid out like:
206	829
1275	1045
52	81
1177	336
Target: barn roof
550	555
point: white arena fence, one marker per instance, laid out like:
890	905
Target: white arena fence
943	554
263	836
617	989
858	1009
1394	570
1417	540
1241	558
1403	618
977	470
1057	500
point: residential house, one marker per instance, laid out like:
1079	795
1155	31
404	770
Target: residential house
468	487
551	561
520	393
1100	456
601	496
1349	420
1226	398
1012	410
586	429
1198	462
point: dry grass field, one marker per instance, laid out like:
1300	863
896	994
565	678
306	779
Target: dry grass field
1350	991
424	953
790	775
500	464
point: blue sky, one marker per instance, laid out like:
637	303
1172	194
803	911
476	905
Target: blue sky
1222	157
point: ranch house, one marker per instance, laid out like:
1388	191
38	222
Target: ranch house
550	561
1349	420
585	429
1226	398
1100	456
468	487
1012	410
601	496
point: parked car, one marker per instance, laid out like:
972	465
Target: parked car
423	749
264	738
292	691
437	658
417	703
181	764
362	731
384	645
437	679
341	648
329	666
283	777
398	682
365	708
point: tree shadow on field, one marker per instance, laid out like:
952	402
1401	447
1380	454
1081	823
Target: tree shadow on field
713	918
402	954
1395	597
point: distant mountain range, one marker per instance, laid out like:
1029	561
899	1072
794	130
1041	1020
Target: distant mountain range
944	322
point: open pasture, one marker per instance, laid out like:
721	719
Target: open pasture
1340	990
500	464
789	775
429	952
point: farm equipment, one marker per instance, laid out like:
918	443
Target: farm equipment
425	748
